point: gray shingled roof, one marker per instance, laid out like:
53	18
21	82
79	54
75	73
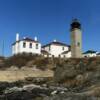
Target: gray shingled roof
45	52
56	43
98	53
89	51
65	52
25	39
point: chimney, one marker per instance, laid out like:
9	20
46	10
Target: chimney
24	37
17	37
35	38
55	40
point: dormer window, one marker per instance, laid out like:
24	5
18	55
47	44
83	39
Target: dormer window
37	46
30	45
24	45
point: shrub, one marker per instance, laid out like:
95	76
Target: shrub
42	63
19	60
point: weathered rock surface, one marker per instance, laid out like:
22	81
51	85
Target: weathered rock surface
37	92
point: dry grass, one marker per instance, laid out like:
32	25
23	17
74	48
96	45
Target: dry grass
11	76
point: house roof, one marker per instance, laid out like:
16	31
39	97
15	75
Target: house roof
65	52
90	51
98	53
56	43
45	52
26	39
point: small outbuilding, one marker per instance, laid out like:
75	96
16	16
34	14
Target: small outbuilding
98	54
90	53
45	53
66	54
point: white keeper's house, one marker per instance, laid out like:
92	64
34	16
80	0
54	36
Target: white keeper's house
26	45
57	49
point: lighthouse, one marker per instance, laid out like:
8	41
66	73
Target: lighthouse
76	39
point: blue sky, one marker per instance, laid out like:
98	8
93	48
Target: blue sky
49	20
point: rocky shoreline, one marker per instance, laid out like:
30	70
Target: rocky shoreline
44	92
74	79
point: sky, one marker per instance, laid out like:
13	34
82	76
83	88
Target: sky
48	20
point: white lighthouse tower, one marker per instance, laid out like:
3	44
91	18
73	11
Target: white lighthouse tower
76	39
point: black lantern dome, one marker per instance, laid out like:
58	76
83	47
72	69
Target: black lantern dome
75	24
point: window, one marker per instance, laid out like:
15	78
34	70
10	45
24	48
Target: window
30	46
78	44
24	45
37	46
53	56
64	56
63	48
49	48
59	56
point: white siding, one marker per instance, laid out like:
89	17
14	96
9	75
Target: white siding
47	48
90	55
18	48
67	55
56	50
